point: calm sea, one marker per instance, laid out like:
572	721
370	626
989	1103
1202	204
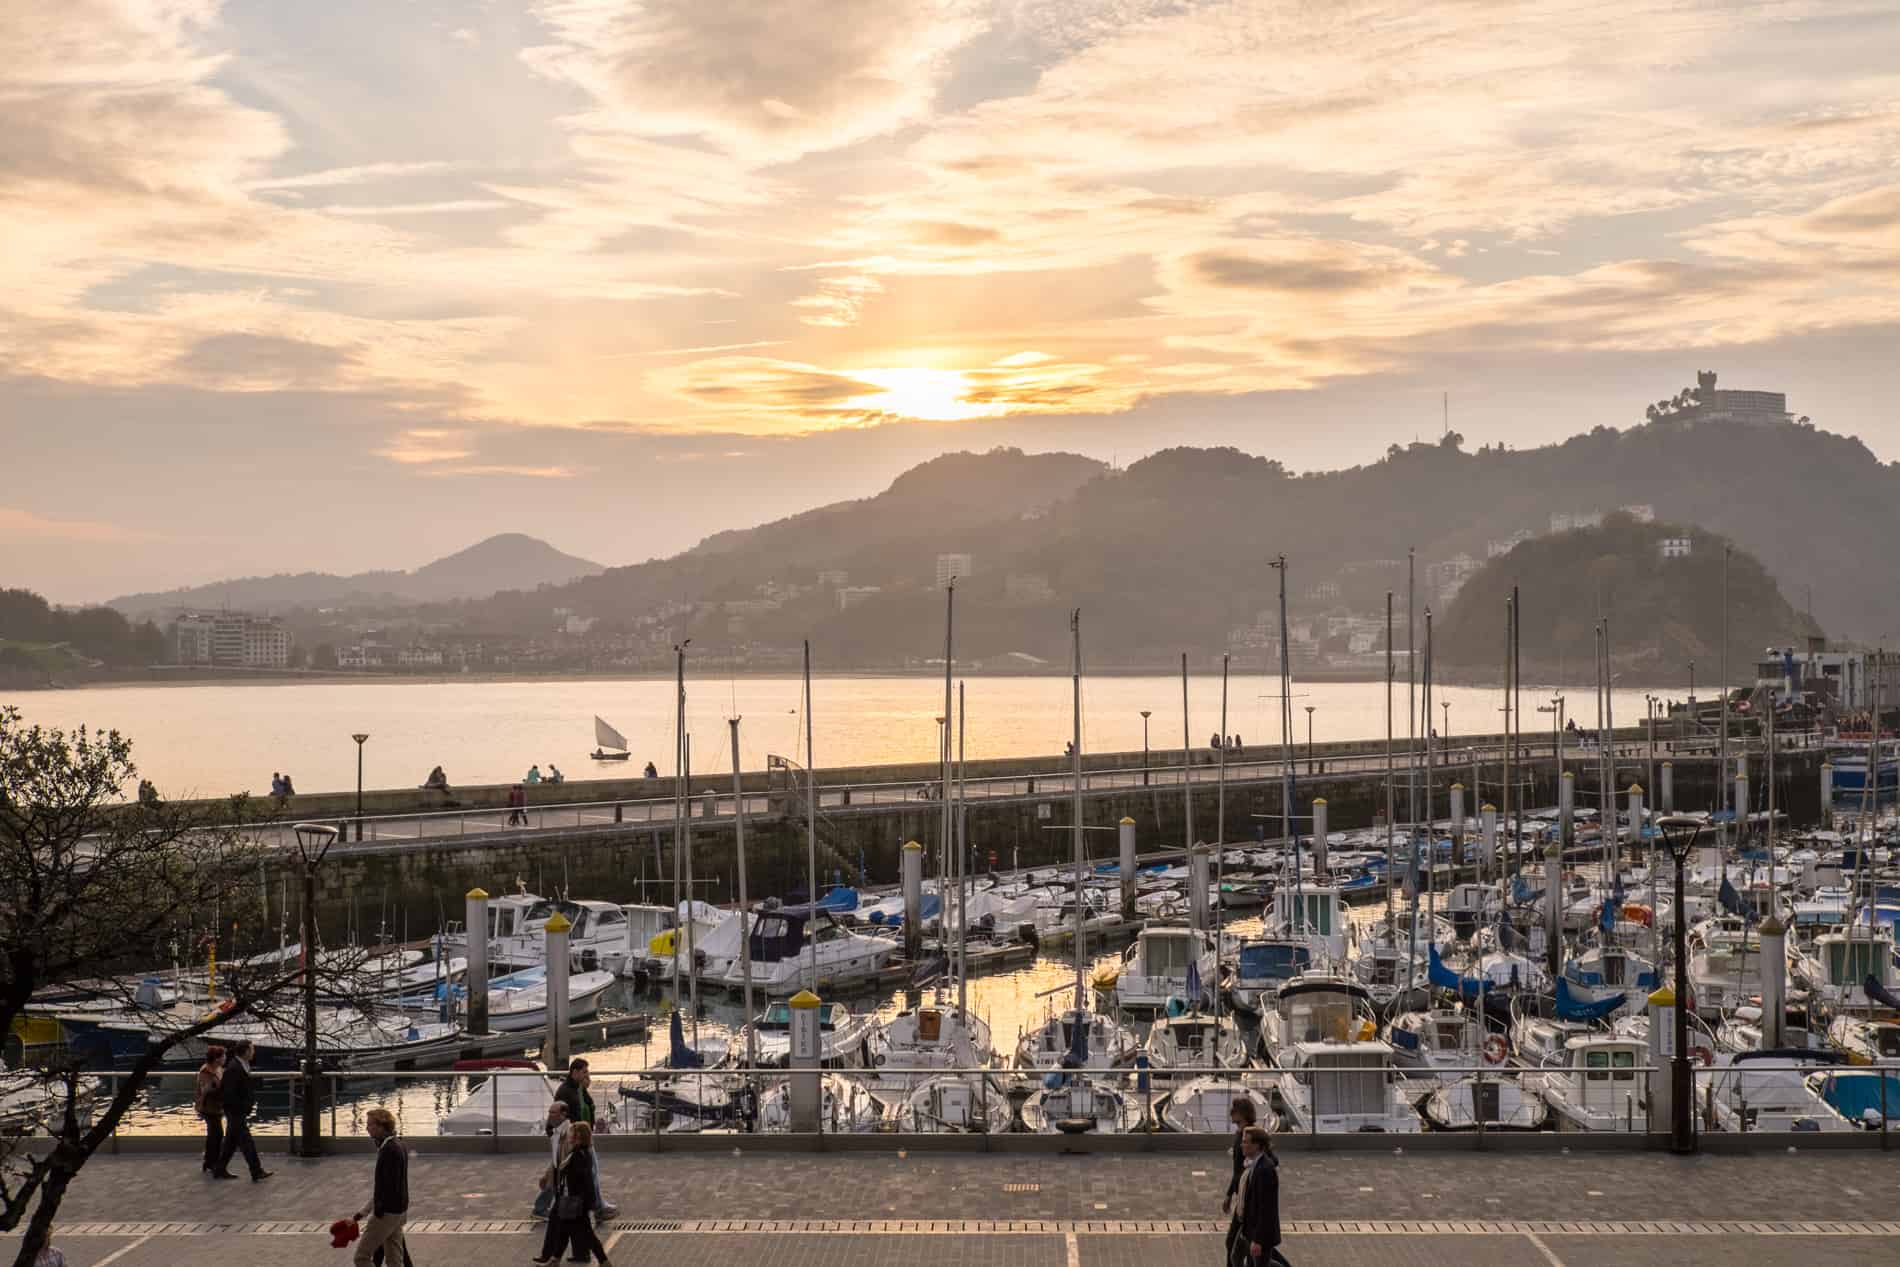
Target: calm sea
210	740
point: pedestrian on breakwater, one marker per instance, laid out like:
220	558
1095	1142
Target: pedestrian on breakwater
554	774
558	1137
533	775
389	1197
580	1112
653	771
1256	1239
239	1099
574	1201
517	806
207	1100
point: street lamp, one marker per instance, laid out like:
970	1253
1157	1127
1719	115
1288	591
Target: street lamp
1146	713
1680	834
313	842
1445	742
361	739
1309	737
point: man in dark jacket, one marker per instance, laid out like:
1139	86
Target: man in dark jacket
1259	1231
389	1200
239	1099
580	1108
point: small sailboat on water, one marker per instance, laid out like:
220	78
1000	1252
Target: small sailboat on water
609	744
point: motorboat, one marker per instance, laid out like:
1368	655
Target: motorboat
519	1000
1169	964
1315	914
1490	1101
952	1104
1262	967
598	935
1194	1041
1865	1040
1602	972
1769	1091
1597	1086
1203	1105
1867	1098
1337	1076
1442	1043
782	960
845	1040
512	1100
33	1102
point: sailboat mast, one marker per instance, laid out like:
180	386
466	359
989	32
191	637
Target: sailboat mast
1187	763
1411	686
1723	789
949	717
1431	834
1075	793
692	959
679	802
1388	758
1609	758
1220	773
811	838
745	905
1510	624
963	857
1286	726
1517	715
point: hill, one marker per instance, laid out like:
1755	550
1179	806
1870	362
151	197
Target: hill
509	560
1663	607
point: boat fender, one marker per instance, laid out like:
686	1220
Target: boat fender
879	1060
1495	1049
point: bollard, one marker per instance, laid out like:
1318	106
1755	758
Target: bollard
1827	794
1322	841
555	1049
477	973
1567	810
913	875
1635	812
1457	824
1662	1038
1197	887
1554	904
1488	819
1128	867
1741	798
1774	982
1668	787
806	1088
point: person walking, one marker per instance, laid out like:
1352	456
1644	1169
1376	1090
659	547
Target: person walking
389	1197
570	1224
1240	1115
1257	1236
207	1100
240	1097
558	1136
580	1111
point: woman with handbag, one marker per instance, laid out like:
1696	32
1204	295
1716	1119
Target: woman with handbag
571	1220
207	1099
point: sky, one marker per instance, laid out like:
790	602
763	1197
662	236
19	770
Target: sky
347	285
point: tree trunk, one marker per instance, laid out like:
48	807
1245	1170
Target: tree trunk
66	1160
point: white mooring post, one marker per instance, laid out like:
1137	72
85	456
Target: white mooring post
558	1045
1197	887
1322	841
913	877
1668	787
1488	818
1127	829
1774	982
806	1091
476	974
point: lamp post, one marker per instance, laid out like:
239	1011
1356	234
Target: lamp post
1692	690
361	739
1680	834
1309	737
313	842
1146	713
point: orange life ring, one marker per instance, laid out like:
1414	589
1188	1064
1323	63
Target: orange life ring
1495	1049
1702	1056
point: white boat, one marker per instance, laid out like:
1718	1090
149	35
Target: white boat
1079	1103
1316	1007
1605	972
1837	967
1195	1041
1110	1044
1865	1040
346	1039
1166	964
1440	1042
845	1040
1314	914
935	1037
1725	971
598	935
519	1001
952	1104
33	1102
504	1103
1262	967
1744	1095
1494	1100
508	917
609	744
1596	1086
846	1107
1336	1076
1203	1105
780	962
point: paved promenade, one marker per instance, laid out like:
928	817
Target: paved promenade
1399	1209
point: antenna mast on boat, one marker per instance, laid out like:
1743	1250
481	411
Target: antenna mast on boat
745	906
679	800
1388	758
943	754
1187	763
1075	802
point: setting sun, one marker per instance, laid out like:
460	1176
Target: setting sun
929	395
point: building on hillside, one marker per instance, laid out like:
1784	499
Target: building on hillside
419	658
1675	547
232	638
1561	522
1641	512
1027	587
850	596
954	566
834	578
1446	577
1501	546
1706	403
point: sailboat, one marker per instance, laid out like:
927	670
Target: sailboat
611	745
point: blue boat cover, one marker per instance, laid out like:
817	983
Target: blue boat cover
840	898
1570	1009
682	1056
1444	978
1851	1094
